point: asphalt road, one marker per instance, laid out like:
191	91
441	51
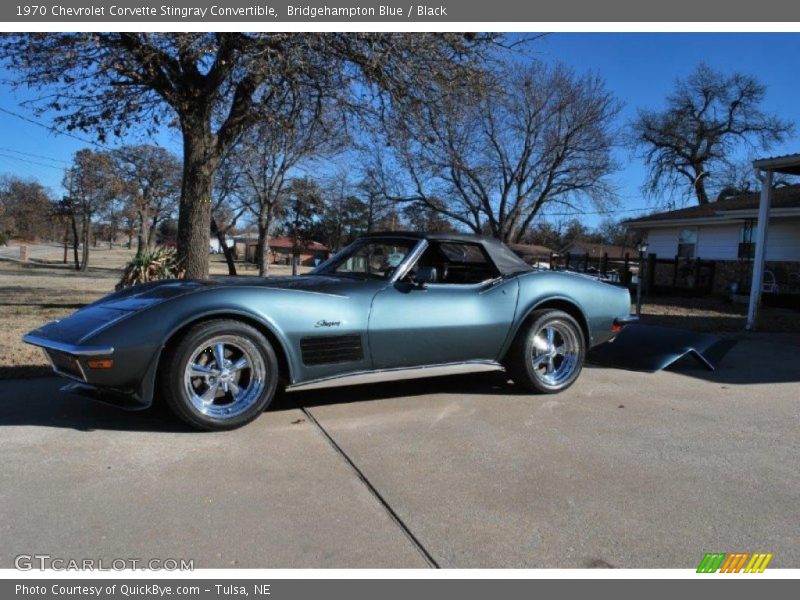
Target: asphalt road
34	251
623	470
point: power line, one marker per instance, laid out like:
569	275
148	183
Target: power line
53	129
32	162
15	167
42	156
598	212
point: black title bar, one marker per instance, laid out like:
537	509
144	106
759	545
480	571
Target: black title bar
343	11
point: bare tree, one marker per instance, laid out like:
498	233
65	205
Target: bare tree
228	207
24	208
216	86
691	144
151	180
613	232
92	185
306	129
301	212
491	157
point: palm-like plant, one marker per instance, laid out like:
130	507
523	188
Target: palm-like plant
151	265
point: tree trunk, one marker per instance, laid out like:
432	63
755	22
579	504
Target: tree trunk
75	242
263	250
700	192
144	232
66	243
151	231
295	244
700	187
263	253
224	247
370	214
200	160
87	238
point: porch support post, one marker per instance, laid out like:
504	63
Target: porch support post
761	250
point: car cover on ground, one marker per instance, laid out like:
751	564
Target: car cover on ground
651	348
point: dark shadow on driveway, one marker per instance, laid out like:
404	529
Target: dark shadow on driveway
759	359
480	384
38	402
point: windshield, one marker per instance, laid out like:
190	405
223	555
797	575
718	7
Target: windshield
375	258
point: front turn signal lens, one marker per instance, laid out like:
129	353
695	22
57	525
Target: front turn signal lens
100	363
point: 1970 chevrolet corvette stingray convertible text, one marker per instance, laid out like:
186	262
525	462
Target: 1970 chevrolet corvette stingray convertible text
389	306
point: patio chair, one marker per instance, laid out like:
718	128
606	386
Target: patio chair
770	284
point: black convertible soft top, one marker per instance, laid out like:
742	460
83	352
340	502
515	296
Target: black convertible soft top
504	259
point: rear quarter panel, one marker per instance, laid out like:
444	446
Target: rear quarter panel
599	302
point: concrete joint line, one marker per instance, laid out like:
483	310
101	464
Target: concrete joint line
372	490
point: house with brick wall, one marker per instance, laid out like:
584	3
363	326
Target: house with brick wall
724	233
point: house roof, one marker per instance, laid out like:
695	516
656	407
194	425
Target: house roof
530	249
282	243
285	242
785	163
787	197
593	249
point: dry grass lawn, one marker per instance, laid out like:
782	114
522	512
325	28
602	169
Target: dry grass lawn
716	315
36	292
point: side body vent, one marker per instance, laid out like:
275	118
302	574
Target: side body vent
329	349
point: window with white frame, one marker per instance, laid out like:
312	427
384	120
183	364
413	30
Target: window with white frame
687	242
747	245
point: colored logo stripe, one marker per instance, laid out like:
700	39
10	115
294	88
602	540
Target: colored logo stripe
758	563
734	562
711	562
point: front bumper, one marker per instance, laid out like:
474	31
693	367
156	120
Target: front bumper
68	360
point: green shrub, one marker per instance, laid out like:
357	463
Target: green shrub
151	265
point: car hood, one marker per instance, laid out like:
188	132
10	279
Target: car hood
320	284
99	315
106	311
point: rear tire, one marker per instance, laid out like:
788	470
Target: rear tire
220	375
547	355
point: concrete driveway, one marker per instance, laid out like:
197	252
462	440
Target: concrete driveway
624	470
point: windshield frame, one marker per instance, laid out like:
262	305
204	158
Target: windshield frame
414	251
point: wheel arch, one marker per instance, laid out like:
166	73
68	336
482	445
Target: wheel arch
567	305
285	369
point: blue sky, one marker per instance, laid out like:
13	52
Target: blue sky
640	69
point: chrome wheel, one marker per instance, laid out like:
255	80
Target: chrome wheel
556	352
225	376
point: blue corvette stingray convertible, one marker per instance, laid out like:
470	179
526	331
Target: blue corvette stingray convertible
389	306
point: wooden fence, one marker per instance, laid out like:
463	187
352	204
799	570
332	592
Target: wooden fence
693	276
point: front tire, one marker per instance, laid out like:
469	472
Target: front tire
548	353
220	375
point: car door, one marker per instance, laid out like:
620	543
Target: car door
454	320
